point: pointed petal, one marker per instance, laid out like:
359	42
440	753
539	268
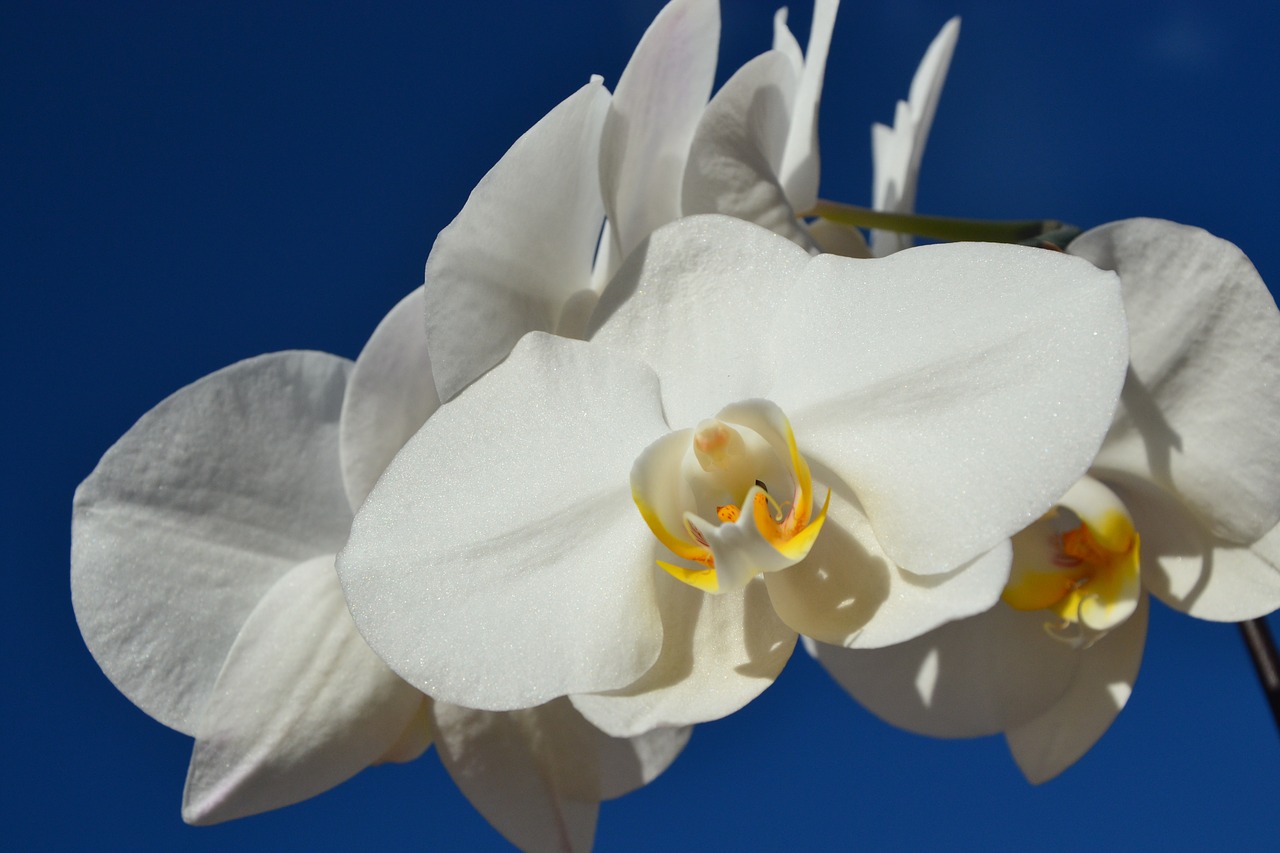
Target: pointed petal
848	593
1199	409
903	374
538	775
799	172
897	152
737	154
301	704
977	676
784	41
652	117
1055	740
195	512
391	395
1189	570
718	653
500	561
522	246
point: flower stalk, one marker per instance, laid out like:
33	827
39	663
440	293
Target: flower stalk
948	228
1266	660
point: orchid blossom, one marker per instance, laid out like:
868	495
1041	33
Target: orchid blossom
815	444
630	162
203	582
1182	502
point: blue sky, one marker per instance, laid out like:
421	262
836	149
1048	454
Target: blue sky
187	185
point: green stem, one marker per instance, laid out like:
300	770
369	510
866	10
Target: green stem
936	227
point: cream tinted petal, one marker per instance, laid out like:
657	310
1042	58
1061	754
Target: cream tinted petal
976	676
897	152
652	117
1058	738
837	239
718	653
391	394
500	561
538	775
799	171
195	512
736	158
301	705
1200	408
521	248
846	592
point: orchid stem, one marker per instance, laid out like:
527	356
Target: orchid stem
945	227
1266	660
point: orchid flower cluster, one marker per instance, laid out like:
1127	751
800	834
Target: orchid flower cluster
588	485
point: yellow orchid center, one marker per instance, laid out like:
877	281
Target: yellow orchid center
1080	561
729	499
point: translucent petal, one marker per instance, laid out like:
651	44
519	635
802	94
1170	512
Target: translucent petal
538	775
799	170
718	653
500	561
521	248
391	394
1200	408
301	705
977	676
1056	739
195	512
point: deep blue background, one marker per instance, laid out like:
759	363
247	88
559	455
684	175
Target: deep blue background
186	185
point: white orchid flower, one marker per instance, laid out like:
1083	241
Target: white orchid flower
513	551
203	582
1182	502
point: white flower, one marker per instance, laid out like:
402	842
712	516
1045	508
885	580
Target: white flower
1182	502
203	581
502	560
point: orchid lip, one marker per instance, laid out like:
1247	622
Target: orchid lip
705	494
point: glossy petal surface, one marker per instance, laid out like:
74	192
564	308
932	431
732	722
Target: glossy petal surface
500	561
195	513
301	704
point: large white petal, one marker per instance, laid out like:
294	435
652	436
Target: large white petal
301	705
897	151
538	775
799	172
848	593
521	248
736	158
1200	408
977	676
1055	740
195	512
931	381
1187	568
718	653
651	120
391	395
500	562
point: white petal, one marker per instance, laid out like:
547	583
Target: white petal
718	653
500	561
301	704
837	239
848	593
799	172
1186	568
784	41
538	775
737	154
1200	407
1055	740
521	248
977	676
898	151
652	117
933	382
195	512
391	395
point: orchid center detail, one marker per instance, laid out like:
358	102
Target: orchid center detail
730	498
1079	561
